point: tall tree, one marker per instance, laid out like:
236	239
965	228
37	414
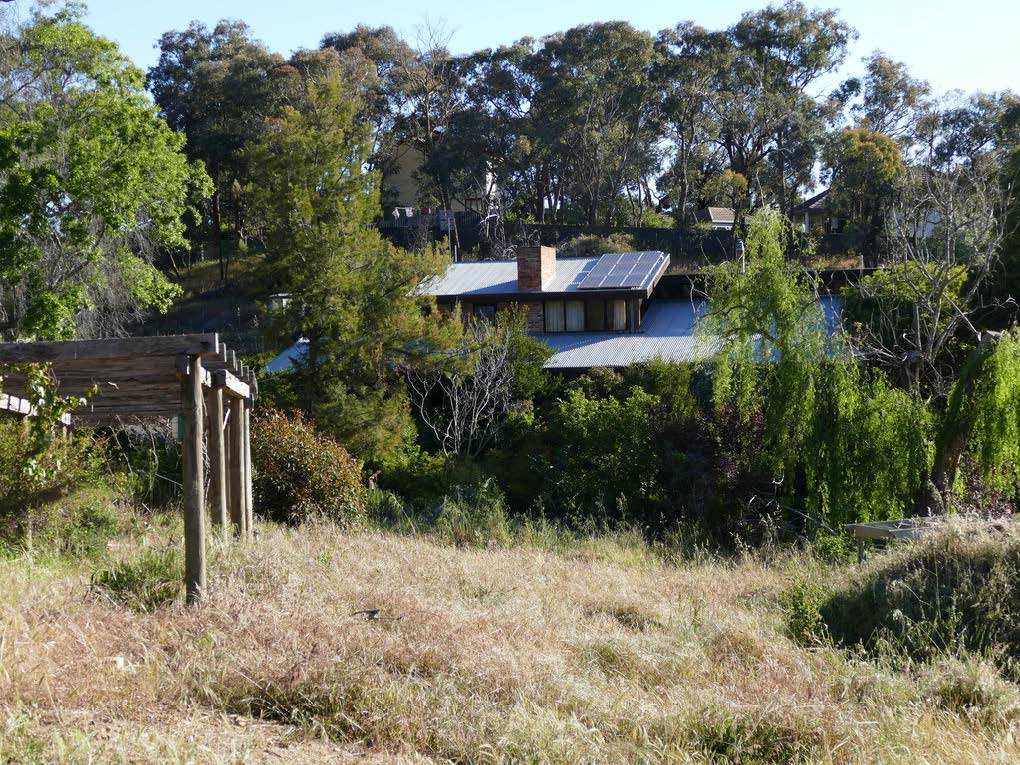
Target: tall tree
890	99
353	294
92	183
217	86
686	75
865	168
595	102
770	126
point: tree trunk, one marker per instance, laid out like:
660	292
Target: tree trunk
934	497
217	235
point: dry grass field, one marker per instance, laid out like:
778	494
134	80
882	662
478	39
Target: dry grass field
319	645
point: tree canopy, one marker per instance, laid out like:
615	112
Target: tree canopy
92	183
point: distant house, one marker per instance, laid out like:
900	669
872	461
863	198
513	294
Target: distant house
721	218
401	185
592	312
607	311
814	214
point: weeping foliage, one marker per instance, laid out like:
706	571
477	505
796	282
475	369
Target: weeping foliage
772	337
848	443
868	446
995	405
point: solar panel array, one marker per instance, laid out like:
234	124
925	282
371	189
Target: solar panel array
624	270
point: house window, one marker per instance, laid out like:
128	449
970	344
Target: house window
555	319
618	315
575	316
595	315
485	311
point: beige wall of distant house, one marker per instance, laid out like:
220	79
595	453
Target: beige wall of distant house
400	187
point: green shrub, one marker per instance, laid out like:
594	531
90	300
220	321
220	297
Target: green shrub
53	499
154	463
803	619
591	246
145	581
387	510
951	594
736	738
606	451
298	472
78	525
474	516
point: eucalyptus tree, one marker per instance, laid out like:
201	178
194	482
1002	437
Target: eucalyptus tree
770	126
216	86
520	144
596	102
887	99
686	74
92	182
389	56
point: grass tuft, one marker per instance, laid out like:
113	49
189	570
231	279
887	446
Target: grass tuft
144	582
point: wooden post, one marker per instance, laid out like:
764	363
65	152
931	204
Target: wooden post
248	501
227	459
194	482
218	461
238	512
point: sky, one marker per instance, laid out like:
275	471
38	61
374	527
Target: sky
966	46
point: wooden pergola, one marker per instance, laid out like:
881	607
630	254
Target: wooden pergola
194	377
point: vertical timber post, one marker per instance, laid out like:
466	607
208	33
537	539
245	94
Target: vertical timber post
218	461
249	507
238	515
194	482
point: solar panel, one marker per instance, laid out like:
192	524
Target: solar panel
624	270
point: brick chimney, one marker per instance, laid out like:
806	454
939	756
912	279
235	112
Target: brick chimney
536	266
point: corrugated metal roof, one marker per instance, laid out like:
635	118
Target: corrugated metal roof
497	277
817	202
667	332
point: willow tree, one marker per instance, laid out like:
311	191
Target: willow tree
353	294
770	336
844	430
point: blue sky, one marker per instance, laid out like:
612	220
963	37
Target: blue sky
970	46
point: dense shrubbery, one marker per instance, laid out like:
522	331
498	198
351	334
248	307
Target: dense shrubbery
952	594
56	499
591	246
299	472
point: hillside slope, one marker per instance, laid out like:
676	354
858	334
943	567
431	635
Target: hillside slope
598	654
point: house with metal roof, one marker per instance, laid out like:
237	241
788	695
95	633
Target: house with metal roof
815	214
592	312
609	311
720	218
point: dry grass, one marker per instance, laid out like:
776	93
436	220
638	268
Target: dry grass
486	655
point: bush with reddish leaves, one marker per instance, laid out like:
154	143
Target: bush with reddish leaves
299	472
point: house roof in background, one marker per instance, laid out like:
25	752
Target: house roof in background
721	215
497	279
667	332
817	202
